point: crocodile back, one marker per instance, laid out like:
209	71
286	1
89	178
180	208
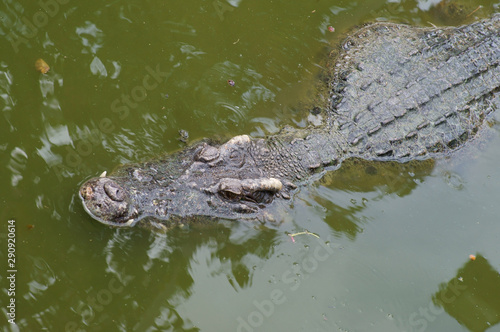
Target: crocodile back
401	93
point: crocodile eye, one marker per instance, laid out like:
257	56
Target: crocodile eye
261	196
230	196
260	191
258	197
237	158
207	153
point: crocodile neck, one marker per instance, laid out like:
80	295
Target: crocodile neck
294	154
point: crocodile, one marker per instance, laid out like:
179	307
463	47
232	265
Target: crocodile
393	93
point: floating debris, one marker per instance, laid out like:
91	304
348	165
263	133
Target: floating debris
183	136
302	233
331	29
475	10
231	82
42	66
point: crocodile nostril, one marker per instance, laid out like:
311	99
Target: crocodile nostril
114	191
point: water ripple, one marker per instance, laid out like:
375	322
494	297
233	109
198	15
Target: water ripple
6	81
17	164
42	277
91	37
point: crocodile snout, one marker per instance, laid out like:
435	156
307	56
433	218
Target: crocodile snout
106	201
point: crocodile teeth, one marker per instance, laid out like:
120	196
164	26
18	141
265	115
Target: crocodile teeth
129	222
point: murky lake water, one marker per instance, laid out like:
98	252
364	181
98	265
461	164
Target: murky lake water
126	76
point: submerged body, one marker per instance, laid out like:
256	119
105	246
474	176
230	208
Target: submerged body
394	93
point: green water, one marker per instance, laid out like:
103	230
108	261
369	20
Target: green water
125	77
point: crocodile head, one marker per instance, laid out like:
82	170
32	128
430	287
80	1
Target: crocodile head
203	181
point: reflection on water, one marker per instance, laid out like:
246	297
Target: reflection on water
375	180
247	91
170	267
42	277
8	101
383	177
17	164
91	38
472	297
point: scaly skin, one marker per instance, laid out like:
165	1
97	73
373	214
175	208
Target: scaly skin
397	93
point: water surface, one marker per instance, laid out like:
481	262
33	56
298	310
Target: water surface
125	77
